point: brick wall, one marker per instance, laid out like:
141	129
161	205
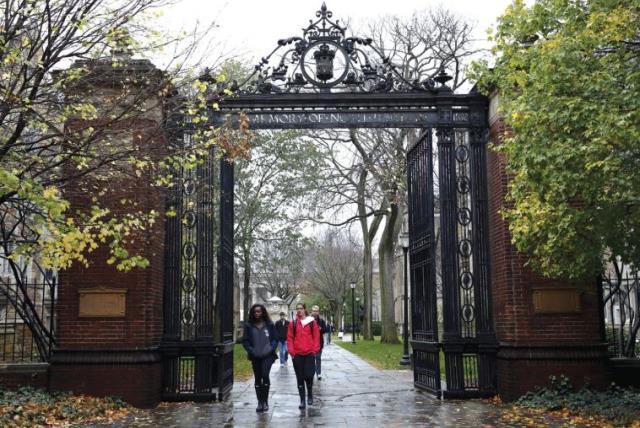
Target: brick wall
517	377
534	345
137	384
126	363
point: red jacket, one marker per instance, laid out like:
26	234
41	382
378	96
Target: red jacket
306	340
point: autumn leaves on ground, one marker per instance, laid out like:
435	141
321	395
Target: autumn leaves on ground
559	404
616	407
30	407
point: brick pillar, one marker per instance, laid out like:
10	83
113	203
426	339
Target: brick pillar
101	351
544	326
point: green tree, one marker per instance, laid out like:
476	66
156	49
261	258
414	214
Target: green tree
346	182
568	77
63	98
270	194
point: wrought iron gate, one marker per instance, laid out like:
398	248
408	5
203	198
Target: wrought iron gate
325	79
466	344
197	344
424	302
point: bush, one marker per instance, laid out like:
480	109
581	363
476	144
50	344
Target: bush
348	329
619	405
376	327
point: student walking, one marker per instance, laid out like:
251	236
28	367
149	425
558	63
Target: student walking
303	343
322	325
281	336
259	341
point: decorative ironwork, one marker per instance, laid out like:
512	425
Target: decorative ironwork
620	306
188	256
27	316
198	277
424	305
468	341
225	255
326	79
324	59
464	235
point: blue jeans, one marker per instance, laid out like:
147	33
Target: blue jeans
282	351
319	363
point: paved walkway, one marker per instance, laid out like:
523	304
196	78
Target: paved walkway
352	394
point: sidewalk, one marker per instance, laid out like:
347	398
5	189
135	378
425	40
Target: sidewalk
352	393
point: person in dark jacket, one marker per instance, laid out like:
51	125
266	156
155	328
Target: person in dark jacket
303	343
322	325
281	335
259	341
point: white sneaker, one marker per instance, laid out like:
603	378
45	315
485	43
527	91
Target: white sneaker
319	377
281	365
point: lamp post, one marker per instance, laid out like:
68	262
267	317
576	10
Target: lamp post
403	239
353	311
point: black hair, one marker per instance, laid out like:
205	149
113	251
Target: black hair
265	315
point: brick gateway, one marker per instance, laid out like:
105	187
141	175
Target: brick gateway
502	331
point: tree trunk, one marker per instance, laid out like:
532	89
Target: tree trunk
368	234
387	261
367	264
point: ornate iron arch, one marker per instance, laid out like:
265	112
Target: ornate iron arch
325	59
325	78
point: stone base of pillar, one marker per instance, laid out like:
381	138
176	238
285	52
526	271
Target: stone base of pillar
135	376
626	371
17	375
522	368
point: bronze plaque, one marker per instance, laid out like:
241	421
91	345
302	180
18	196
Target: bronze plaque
102	302
555	300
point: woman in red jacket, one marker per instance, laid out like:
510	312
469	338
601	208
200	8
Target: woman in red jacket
303	343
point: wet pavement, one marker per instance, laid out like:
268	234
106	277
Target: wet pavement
352	393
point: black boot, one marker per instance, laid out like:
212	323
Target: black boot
303	404
309	392
260	407
265	398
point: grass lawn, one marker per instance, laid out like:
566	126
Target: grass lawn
241	364
380	355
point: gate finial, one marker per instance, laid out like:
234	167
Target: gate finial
325	59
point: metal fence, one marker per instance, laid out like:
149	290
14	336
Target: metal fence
26	317
621	301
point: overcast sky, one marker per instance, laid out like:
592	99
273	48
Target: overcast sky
251	28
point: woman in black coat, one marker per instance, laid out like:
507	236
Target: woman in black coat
260	343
